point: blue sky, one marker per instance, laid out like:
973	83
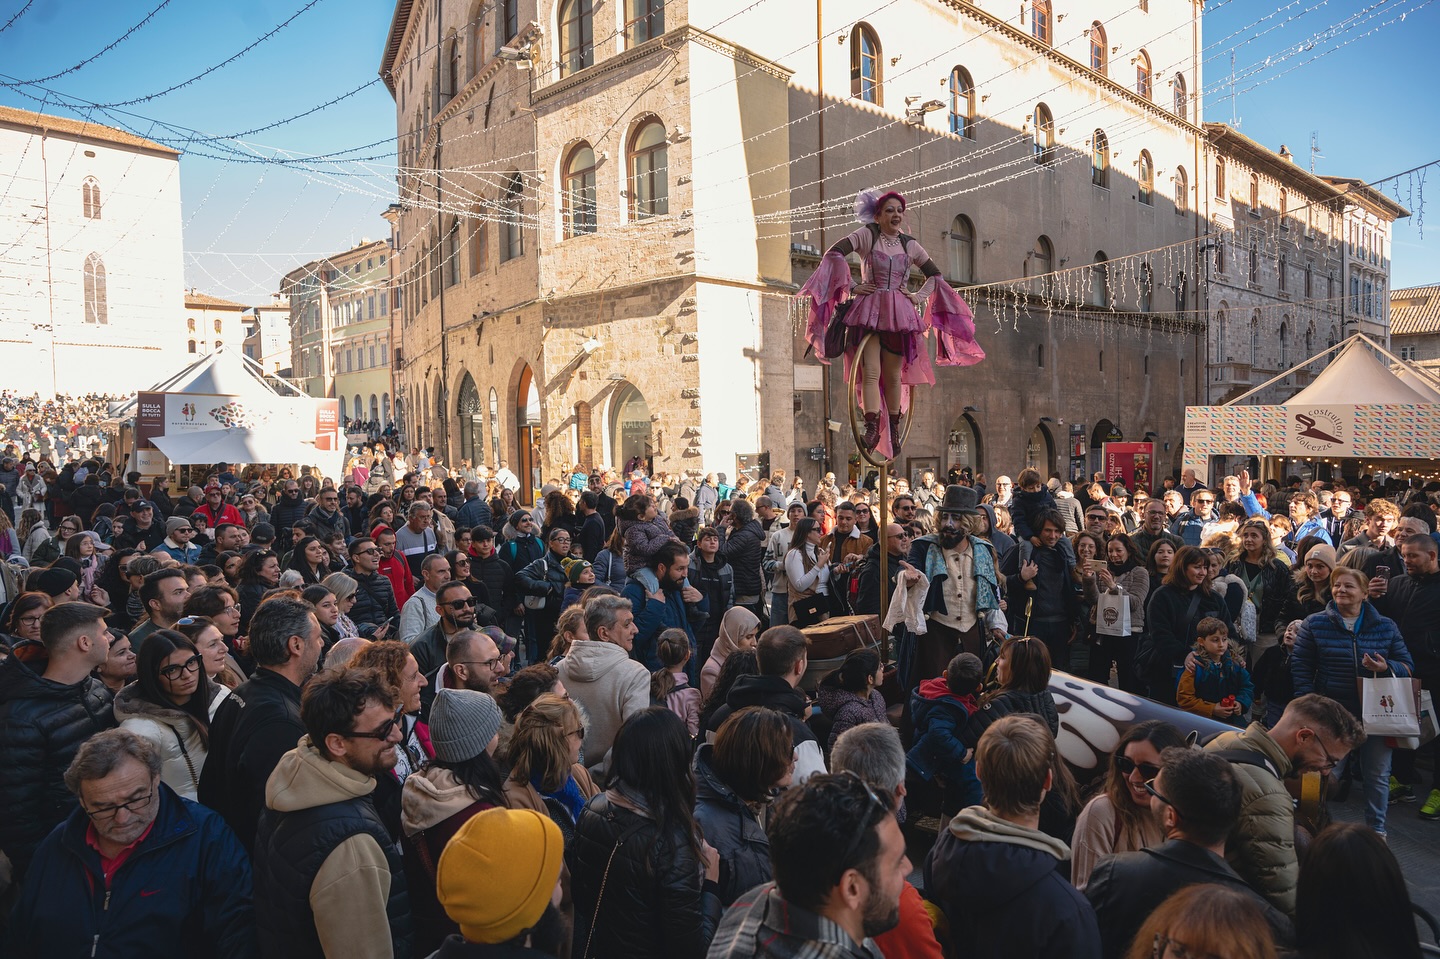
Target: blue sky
247	223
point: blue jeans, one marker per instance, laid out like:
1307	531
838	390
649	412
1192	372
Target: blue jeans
1374	775
779	609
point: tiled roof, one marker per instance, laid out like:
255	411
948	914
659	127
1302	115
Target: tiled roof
202	301
1415	310
78	128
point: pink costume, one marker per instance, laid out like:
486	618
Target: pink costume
889	310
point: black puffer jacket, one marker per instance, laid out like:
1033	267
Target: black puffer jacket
744	548
42	724
1277	590
1010	703
655	905
374	600
730	826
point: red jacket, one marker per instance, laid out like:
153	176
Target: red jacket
914	937
396	570
228	514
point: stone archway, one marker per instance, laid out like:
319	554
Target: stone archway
527	434
630	429
470	418
964	445
1040	450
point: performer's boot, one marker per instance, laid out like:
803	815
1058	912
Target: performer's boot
871	439
895	432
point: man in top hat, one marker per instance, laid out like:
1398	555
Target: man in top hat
962	607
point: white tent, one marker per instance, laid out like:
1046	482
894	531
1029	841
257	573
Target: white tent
1357	408
223	372
240	445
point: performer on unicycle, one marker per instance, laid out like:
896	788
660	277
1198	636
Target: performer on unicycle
896	358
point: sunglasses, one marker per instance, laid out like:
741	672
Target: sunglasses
1126	766
459	604
383	731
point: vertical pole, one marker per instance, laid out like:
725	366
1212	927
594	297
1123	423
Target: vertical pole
880	537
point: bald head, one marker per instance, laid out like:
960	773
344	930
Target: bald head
344	651
473	660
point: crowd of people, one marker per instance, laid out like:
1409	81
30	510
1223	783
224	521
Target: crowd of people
402	714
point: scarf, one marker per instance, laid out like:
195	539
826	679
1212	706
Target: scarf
568	795
987	585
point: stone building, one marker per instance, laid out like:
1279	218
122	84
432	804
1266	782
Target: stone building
267	335
211	322
1415	325
1283	243
340	311
92	257
607	206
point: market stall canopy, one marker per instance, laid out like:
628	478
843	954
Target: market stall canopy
223	372
240	445
1357	376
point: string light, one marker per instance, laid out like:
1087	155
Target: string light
96	56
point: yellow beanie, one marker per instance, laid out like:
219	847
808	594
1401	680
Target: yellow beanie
498	873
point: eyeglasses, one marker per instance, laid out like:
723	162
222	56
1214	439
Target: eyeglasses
174	671
872	803
383	731
1176	949
1330	761
494	665
1150	788
106	813
576	732
459	604
1126	765
31	620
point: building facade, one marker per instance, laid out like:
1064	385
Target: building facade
340	343
211	322
1415	325
267	335
92	256
1282	247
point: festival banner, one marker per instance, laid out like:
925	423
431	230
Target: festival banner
1389	431
1130	463
302	418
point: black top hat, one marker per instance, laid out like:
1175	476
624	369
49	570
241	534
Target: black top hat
960	499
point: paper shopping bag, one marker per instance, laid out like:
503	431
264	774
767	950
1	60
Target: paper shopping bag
1112	614
1388	706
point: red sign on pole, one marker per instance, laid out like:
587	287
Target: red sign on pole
1130	463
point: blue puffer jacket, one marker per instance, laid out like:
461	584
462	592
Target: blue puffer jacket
184	891
1327	655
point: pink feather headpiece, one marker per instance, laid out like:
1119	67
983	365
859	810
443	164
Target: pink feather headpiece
868	203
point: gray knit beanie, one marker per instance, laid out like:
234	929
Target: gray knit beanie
462	723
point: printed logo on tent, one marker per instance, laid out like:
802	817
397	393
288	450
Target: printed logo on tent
1319	433
233	414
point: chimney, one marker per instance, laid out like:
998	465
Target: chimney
1285	153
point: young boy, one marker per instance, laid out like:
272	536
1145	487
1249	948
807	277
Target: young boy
1026	504
940	708
1215	681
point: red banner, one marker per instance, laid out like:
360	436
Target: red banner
1130	463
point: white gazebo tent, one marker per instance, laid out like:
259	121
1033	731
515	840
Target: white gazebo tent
1357	408
279	439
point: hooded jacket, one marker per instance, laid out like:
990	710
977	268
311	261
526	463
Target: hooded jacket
325	873
1003	541
730	825
773	692
611	687
434	806
939	716
42	724
998	885
189	857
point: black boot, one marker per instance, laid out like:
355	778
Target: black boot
871	439
895	433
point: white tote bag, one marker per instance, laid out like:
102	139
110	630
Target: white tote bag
1112	614
1388	706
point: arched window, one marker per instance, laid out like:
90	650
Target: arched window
577	36
90	195
190	325
451	68
1220	177
374	408
1254	194
1040	23
1255	339
962	250
962	103
96	309
1044	143
508	16
1143	82
1099	51
649	171
865	76
1221	331
192	346
1182	191
1284	343
1038	264
1310	341
512	236
474	38
470	418
1147	178
479	252
344	409
1254	262
579	196
1100	281
1182	292
1100	159
452	253
1147	288
1220	254
1182	99
217	324
644	19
